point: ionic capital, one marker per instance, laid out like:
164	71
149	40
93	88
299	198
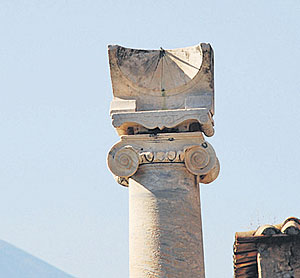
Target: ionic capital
190	149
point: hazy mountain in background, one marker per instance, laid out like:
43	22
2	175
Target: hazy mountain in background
15	263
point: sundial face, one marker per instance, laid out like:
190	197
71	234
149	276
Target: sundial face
159	70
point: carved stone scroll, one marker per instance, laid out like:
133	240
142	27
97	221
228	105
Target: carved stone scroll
191	149
123	162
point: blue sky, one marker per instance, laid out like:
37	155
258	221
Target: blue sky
58	200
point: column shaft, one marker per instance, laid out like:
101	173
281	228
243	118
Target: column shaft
165	223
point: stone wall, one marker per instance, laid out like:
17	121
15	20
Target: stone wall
279	258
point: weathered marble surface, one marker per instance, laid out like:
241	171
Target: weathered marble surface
163	119
165	223
190	149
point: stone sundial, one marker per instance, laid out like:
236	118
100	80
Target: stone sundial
153	81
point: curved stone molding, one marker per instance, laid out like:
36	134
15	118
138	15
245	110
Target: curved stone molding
201	159
163	119
123	162
196	159
159	157
212	175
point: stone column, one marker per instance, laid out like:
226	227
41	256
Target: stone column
165	223
164	201
163	156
